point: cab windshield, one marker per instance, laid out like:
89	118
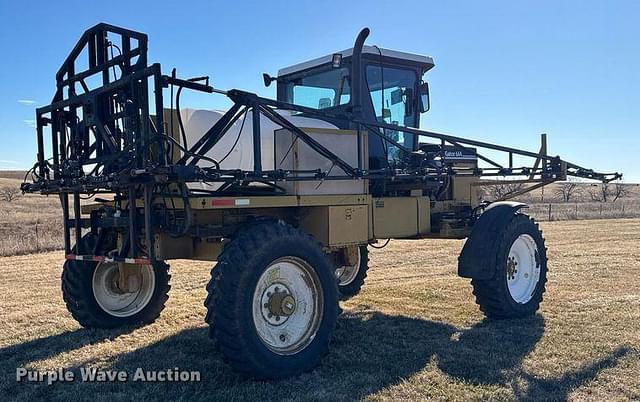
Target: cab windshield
329	88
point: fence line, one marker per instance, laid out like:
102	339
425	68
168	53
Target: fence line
584	210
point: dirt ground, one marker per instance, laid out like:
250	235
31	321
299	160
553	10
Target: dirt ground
414	333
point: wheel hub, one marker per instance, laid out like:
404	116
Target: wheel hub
288	305
278	304
122	284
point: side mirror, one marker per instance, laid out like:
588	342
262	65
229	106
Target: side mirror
267	79
425	103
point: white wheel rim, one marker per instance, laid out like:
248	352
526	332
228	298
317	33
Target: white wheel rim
347	273
122	303
523	269
287	305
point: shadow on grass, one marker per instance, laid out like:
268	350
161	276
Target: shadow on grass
43	348
370	351
22	354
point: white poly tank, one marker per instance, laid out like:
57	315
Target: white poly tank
197	122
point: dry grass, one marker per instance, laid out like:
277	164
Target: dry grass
414	332
13	174
568	211
581	206
30	223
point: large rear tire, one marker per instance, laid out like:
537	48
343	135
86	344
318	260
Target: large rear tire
96	300
520	274
272	301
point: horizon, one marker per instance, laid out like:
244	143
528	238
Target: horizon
502	75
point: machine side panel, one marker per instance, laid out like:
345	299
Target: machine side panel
337	225
395	217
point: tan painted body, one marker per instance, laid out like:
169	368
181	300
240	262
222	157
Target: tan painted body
336	221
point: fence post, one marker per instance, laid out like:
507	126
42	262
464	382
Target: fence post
37	242
623	209
549	212
576	211
601	210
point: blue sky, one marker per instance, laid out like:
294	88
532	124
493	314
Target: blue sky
505	72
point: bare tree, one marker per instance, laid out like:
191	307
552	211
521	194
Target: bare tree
606	192
502	190
599	192
568	190
9	194
619	191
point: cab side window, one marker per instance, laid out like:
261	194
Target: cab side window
392	95
320	90
390	89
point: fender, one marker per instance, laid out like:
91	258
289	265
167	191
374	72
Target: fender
477	259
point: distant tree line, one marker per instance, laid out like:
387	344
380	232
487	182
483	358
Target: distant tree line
567	191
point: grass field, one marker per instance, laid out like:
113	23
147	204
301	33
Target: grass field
414	333
30	223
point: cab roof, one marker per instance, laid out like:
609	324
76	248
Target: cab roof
425	61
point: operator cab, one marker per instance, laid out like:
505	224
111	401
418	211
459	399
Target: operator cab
393	92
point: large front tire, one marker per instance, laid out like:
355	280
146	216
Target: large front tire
517	287
272	301
95	299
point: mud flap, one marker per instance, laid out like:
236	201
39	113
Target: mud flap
478	257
